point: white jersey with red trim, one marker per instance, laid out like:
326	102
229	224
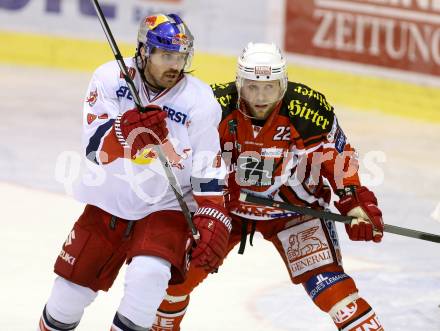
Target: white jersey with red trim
132	188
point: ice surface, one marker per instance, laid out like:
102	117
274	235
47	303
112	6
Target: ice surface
41	116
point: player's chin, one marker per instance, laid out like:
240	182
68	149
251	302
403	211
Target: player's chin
261	113
263	107
169	81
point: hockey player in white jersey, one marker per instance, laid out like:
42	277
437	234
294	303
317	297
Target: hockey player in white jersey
131	213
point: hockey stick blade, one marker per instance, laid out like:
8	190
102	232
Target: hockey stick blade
336	217
137	100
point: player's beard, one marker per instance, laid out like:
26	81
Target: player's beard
169	78
257	112
161	80
261	112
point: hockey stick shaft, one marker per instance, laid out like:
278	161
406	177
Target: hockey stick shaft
336	217
137	100
118	56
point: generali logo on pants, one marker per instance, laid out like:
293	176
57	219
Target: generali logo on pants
306	247
396	34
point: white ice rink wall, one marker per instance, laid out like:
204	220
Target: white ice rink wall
219	26
400	34
389	48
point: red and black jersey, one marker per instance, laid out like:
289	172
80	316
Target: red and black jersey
291	156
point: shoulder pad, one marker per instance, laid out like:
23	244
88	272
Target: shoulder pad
308	110
226	95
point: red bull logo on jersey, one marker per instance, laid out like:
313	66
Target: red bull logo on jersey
92	98
92	117
145	156
175	159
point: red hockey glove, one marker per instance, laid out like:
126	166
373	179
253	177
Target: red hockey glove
138	130
214	226
361	203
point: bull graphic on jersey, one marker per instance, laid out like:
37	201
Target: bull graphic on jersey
92	98
304	243
147	155
174	158
92	117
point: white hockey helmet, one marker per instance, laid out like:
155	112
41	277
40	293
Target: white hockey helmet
262	62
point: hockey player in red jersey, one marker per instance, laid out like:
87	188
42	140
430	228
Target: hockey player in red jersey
282	141
131	212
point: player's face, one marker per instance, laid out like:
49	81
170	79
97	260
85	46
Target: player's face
164	67
260	96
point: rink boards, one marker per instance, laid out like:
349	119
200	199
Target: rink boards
356	89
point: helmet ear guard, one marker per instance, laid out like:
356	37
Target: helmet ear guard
167	32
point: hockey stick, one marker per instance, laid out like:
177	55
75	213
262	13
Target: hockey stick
137	100
336	217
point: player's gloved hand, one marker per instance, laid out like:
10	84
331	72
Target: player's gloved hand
138	130
361	203
214	226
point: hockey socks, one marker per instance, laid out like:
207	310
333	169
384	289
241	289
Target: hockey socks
48	323
170	313
354	314
336	294
122	323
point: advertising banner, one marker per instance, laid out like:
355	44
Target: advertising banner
397	34
220	26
